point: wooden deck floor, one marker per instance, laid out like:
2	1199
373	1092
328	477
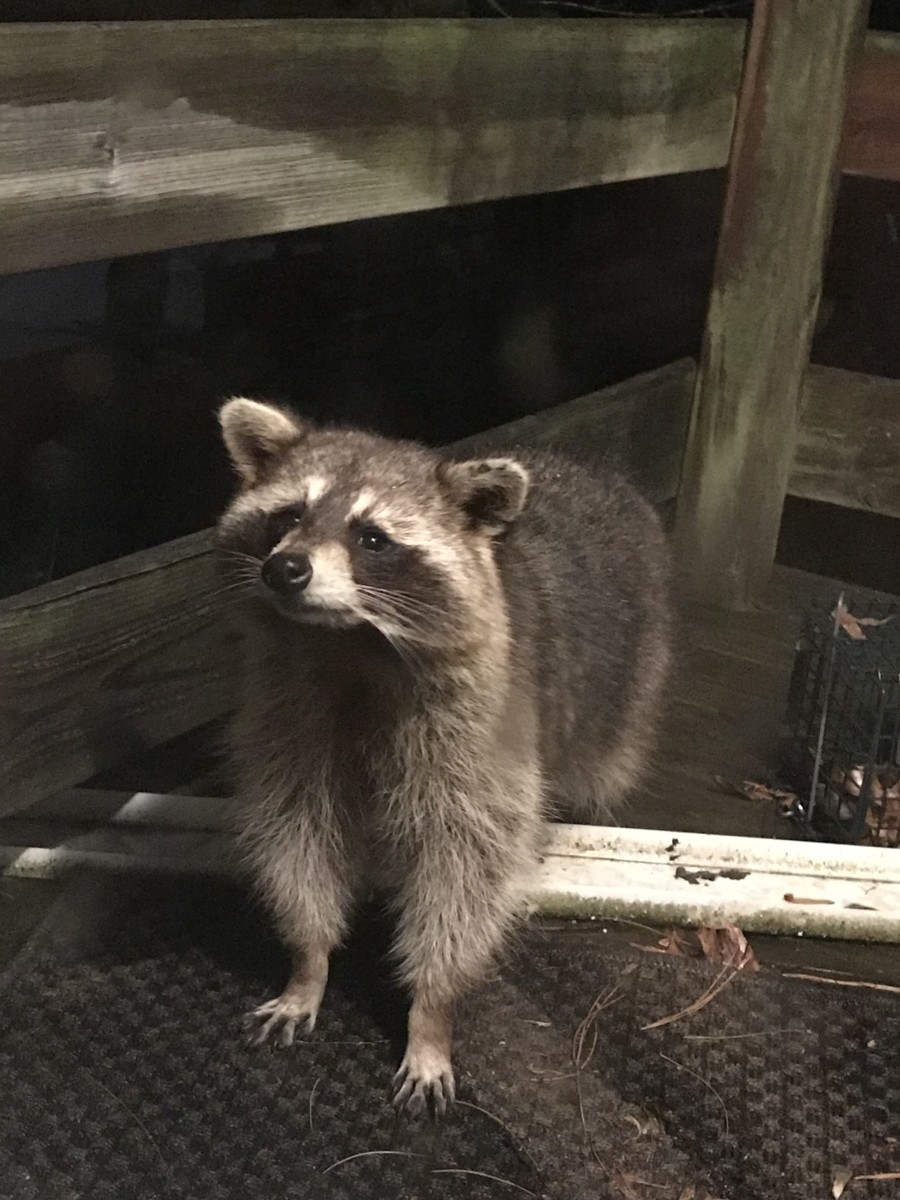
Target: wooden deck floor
726	707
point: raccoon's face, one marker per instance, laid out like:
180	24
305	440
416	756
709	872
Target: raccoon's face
343	528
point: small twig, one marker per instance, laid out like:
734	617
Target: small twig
706	1084
730	1037
634	925
134	1118
551	1074
308	1042
484	1112
580	1060
824	970
850	983
483	1175
370	1154
311	1095
879	1175
604	1000
718	984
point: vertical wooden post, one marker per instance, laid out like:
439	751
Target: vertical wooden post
782	180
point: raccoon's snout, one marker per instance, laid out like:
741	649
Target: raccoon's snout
286	574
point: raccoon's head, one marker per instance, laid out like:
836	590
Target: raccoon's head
344	528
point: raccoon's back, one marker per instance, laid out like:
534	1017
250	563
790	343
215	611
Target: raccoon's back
587	578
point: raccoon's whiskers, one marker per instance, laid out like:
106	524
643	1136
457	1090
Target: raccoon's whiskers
240	557
397	605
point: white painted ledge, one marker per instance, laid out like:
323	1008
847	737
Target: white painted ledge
587	872
698	879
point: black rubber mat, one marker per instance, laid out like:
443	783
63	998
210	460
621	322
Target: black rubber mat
124	1073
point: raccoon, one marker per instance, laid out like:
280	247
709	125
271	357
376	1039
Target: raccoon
439	656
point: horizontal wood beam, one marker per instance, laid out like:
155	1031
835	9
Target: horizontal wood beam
637	426
847	451
122	138
848	445
130	137
106	663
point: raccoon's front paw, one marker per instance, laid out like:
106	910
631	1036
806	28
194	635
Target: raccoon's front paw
424	1082
292	1012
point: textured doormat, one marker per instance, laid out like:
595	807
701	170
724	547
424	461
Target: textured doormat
124	1073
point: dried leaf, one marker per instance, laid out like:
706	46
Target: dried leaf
840	1178
754	790
688	1192
726	944
731	788
673	941
853	626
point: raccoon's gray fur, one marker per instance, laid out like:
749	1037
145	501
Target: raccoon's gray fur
438	656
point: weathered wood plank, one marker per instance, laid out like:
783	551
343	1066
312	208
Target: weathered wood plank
848	448
101	665
782	180
122	138
871	139
638	426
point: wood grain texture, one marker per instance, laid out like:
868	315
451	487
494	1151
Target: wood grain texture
782	181
102	665
130	137
848	448
637	426
871	139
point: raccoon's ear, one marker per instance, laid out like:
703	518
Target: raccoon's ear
492	491
256	434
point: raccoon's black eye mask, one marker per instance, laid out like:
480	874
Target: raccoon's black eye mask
373	539
280	523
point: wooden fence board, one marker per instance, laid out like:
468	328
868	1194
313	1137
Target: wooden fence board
103	664
848	447
638	426
122	138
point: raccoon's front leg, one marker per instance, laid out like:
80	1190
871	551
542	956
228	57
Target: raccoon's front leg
305	878
463	894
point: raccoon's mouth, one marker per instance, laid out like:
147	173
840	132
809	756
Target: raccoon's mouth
304	611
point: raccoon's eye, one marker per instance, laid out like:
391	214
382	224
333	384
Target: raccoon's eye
374	539
281	523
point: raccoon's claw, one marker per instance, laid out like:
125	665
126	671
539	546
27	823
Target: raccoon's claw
280	1018
417	1092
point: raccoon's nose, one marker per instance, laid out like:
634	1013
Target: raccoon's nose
286	573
